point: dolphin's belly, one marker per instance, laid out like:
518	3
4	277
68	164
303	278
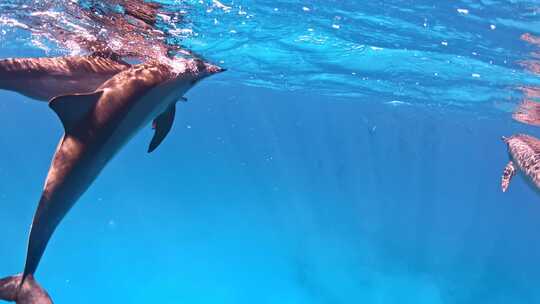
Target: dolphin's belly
140	115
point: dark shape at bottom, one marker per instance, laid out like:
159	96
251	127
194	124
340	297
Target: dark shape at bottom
28	293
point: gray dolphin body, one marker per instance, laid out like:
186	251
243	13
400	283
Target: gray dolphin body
45	78
97	125
524	152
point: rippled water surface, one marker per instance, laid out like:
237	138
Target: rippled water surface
457	52
350	154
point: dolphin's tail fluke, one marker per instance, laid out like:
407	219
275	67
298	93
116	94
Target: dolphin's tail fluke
28	293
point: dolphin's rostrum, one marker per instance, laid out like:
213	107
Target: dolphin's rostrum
97	124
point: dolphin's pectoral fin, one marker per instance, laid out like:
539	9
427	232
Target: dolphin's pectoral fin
508	173
72	108
162	125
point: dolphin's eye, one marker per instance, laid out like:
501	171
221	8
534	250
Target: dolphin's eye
200	64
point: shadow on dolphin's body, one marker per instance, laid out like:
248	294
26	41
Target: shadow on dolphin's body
45	78
97	125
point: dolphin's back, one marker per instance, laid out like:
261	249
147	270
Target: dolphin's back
45	78
98	62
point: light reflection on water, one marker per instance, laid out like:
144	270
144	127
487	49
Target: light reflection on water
461	53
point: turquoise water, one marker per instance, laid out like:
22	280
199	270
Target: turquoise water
356	162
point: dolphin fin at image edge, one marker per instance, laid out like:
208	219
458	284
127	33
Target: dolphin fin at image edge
29	292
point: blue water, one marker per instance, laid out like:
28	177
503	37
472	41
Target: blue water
350	154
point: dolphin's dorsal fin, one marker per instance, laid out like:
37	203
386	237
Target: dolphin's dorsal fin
508	173
162	125
72	108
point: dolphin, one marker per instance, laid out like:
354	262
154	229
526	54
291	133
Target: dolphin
96	126
524	153
45	78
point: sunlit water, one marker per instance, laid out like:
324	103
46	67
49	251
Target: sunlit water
350	154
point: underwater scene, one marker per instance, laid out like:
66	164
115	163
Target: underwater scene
242	151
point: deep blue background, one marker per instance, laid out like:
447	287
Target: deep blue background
279	198
289	179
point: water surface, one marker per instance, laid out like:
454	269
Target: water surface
351	153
